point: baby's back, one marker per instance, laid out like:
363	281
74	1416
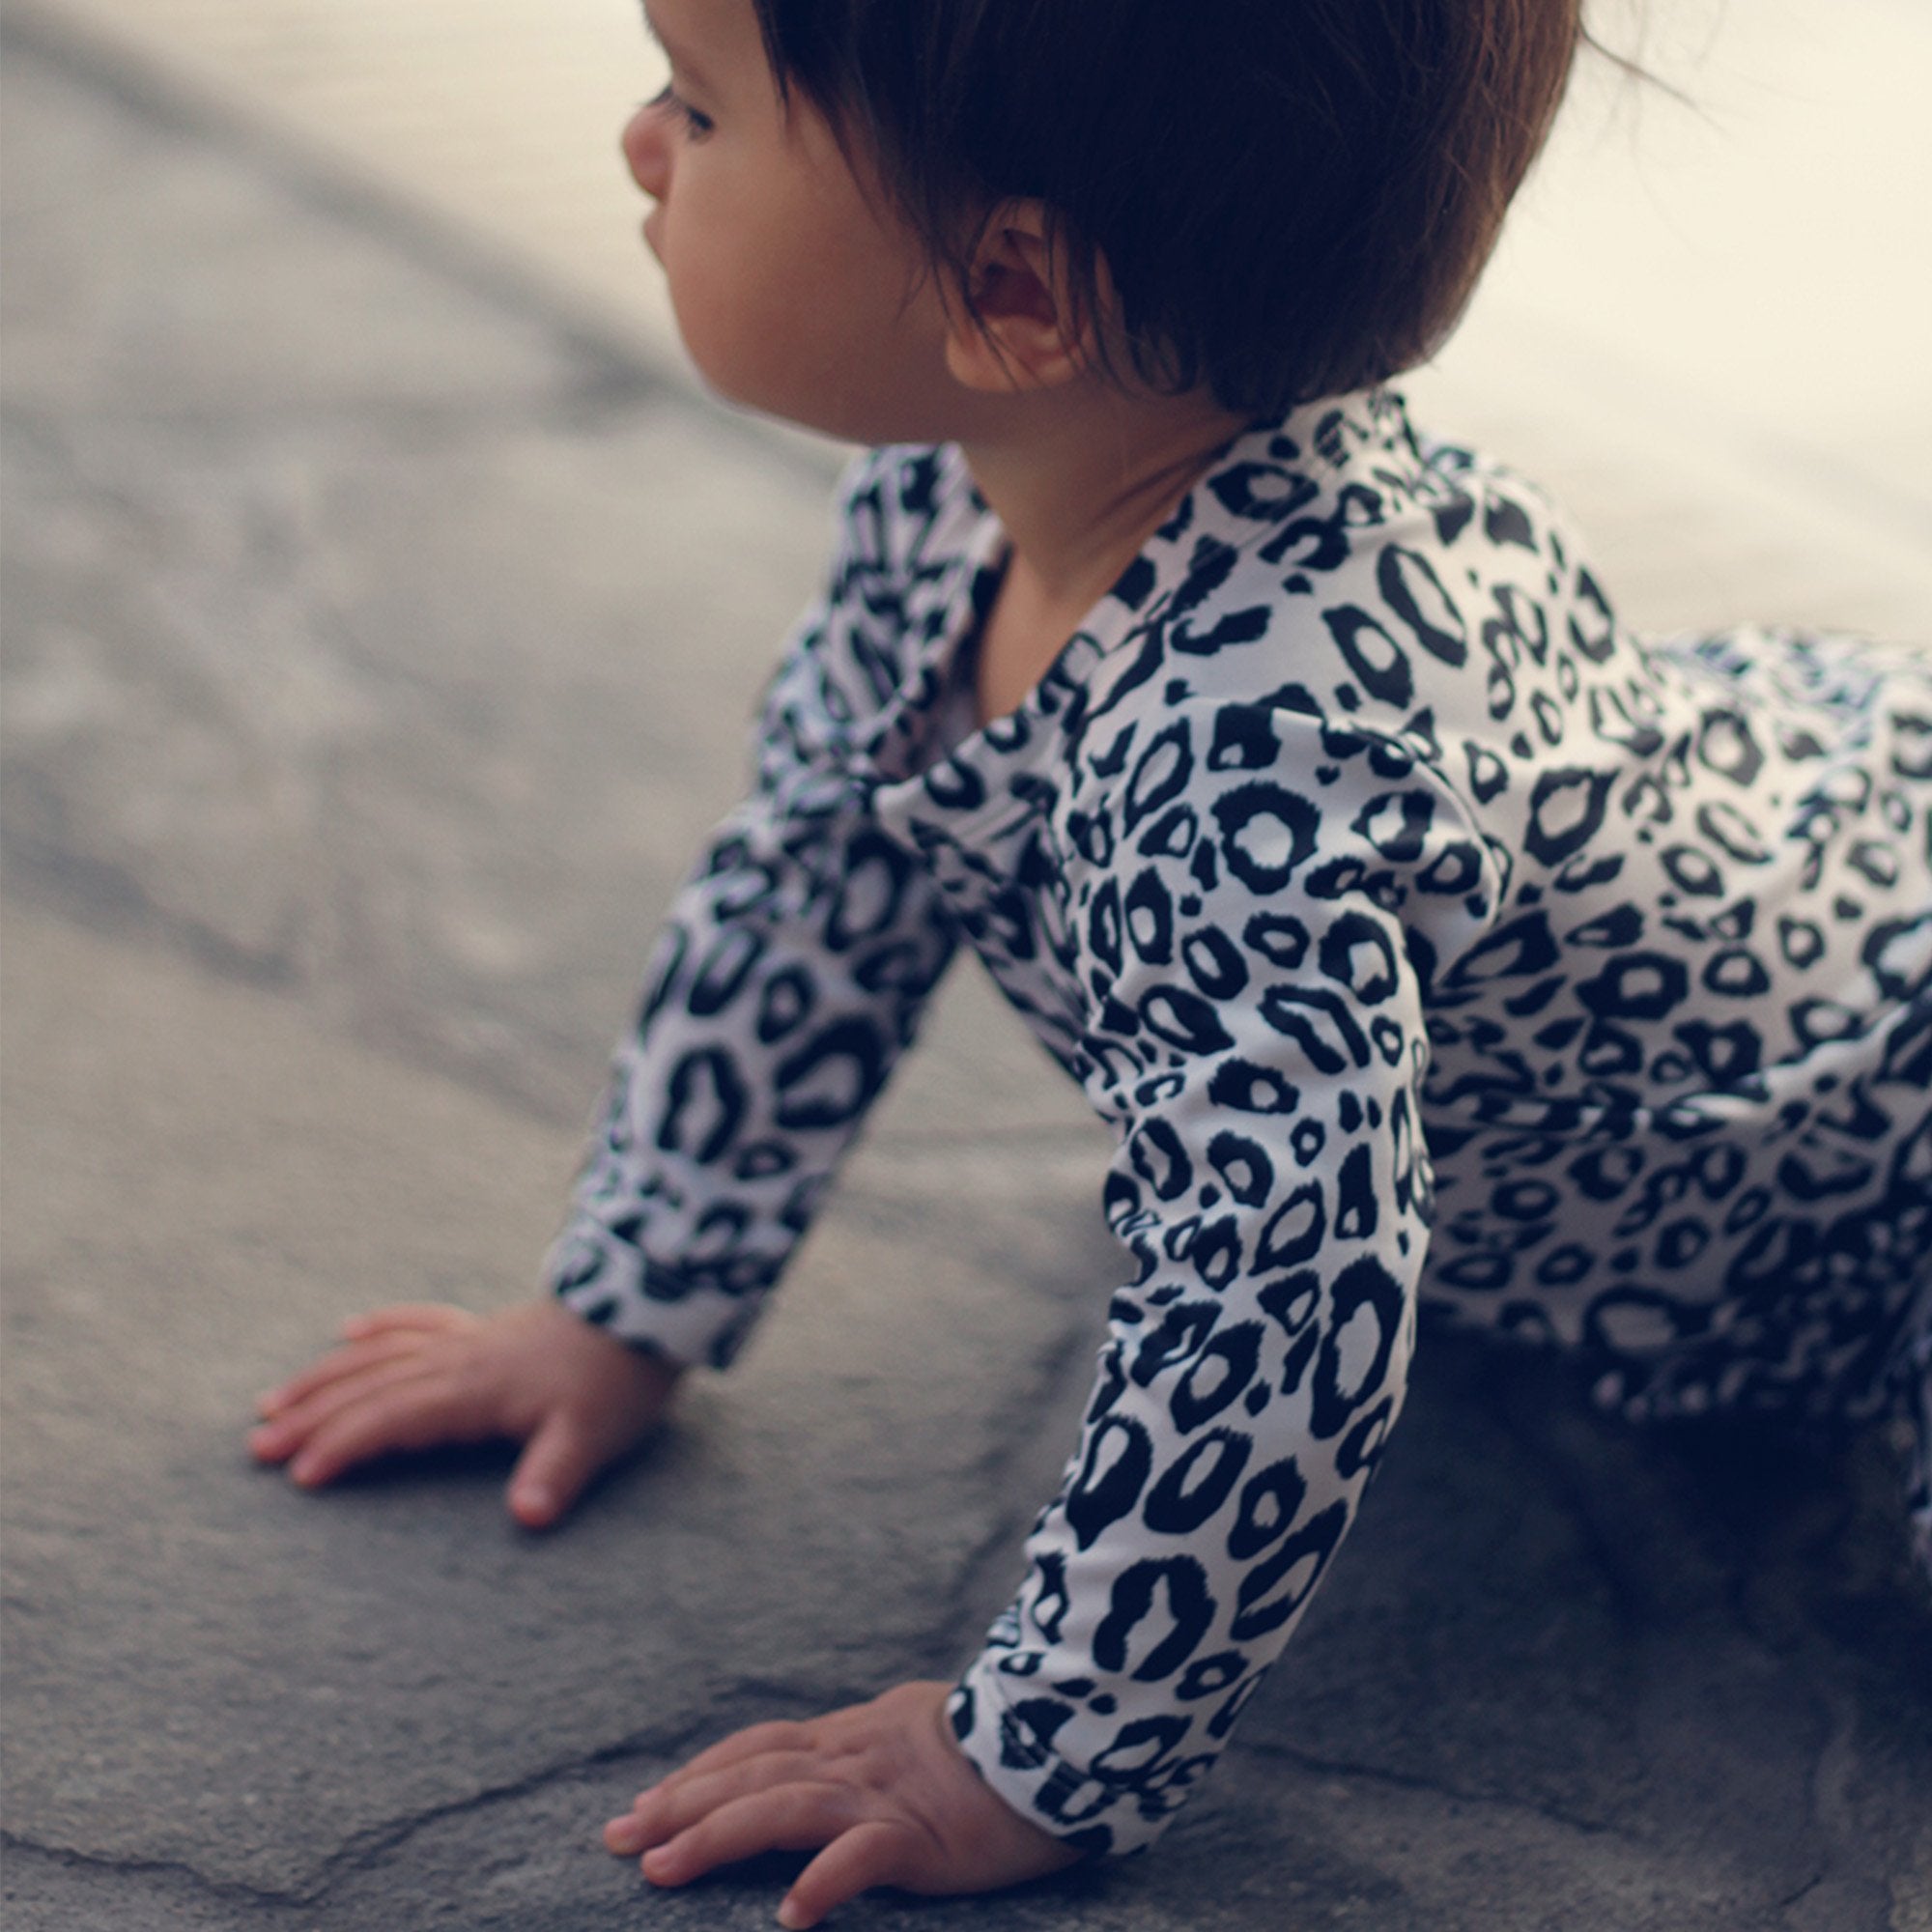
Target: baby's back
1678	1094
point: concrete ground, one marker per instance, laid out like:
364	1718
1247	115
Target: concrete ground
378	625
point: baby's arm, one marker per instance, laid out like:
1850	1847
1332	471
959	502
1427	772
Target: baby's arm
422	1374
789	979
1270	1187
1261	1039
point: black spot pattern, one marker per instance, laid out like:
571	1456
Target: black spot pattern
1430	942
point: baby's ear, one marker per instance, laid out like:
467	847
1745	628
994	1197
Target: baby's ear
1020	324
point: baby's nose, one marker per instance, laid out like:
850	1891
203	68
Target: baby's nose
647	152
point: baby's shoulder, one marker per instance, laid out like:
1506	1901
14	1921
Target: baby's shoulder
1373	572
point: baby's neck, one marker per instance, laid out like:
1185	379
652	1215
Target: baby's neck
1080	483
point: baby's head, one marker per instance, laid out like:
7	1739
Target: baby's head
1262	200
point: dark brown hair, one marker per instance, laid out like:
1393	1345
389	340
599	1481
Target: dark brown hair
1292	198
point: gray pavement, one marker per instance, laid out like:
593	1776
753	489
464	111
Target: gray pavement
377	643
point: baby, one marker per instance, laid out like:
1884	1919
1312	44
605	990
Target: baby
1426	939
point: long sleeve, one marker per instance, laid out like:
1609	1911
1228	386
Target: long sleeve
789	977
1257	946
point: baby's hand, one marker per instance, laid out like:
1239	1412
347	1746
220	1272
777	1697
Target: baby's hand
880	1791
423	1375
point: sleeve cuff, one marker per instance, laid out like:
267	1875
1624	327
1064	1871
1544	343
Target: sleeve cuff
1007	1729
612	1285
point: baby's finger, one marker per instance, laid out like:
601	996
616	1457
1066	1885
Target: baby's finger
776	1734
661	1813
286	1432
793	1818
415	1317
420	1412
874	1853
333	1367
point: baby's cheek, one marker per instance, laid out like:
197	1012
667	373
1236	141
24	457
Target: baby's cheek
716	316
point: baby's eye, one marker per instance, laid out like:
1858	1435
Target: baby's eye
696	124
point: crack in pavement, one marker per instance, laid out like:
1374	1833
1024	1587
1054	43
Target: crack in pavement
16	1844
751	1701
1804	1890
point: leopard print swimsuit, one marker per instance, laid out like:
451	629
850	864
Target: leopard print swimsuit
1428	941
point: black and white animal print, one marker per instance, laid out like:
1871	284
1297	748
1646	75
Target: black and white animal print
1428	941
